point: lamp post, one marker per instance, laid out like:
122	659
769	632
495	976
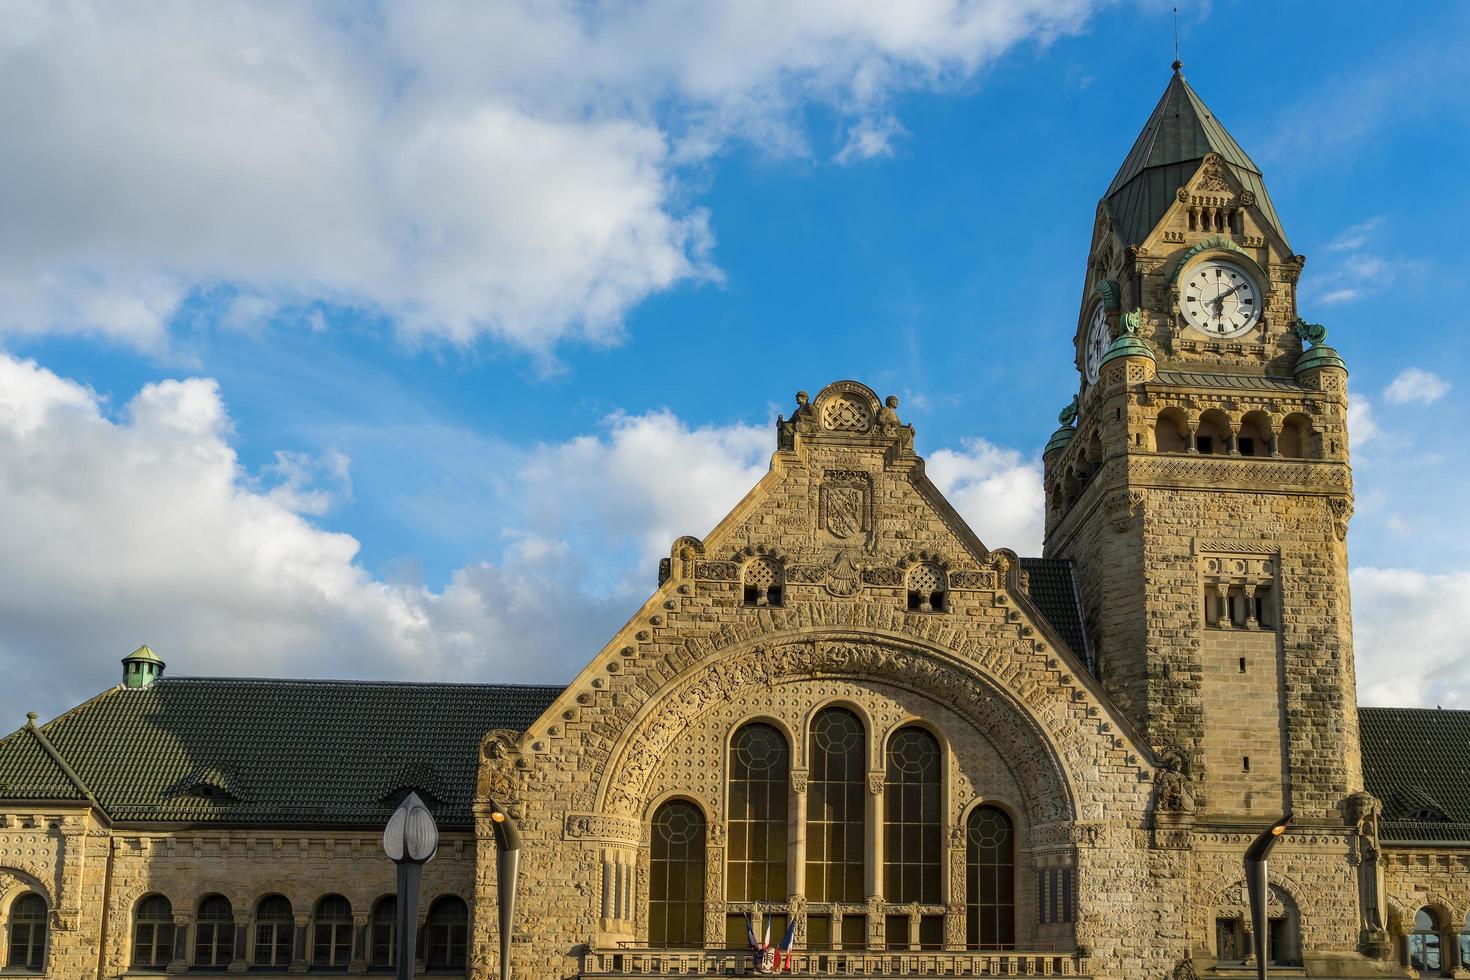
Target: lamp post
1255	883
507	868
411	839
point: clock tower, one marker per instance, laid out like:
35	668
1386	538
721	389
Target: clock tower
1200	480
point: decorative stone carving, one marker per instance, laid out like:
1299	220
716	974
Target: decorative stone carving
876	782
1342	512
846	413
602	828
845	503
843	579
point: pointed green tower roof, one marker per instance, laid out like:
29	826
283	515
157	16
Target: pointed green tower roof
1178	134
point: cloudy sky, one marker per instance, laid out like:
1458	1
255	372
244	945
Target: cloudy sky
399	340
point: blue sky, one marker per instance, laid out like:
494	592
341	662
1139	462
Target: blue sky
401	342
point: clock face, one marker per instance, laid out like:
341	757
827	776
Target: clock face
1220	299
1096	344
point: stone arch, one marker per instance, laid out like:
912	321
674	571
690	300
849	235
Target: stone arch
1224	895
15	882
847	406
921	667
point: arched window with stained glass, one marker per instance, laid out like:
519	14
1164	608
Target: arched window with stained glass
911	818
990	879
759	809
677	872
836	801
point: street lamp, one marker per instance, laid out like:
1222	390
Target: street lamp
411	839
507	867
1255	882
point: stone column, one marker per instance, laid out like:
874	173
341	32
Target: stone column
1191	445
874	814
359	962
244	923
798	832
300	955
1222	606
1248	596
179	961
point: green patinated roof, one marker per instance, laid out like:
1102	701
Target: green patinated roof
1320	356
1417	761
277	752
1127	345
143	653
1178	134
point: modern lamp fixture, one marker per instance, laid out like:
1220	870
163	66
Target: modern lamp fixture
411	839
1255	882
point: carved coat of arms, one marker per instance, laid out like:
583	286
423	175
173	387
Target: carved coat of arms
845	503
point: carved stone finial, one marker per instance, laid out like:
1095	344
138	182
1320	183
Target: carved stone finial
1185	968
1311	333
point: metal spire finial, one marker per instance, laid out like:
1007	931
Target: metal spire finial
1178	62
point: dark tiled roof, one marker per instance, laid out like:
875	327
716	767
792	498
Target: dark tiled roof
276	752
1178	134
1417	761
1052	588
29	772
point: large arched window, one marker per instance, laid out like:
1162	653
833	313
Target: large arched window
446	934
676	889
1425	954
383	932
990	880
27	927
835	808
274	927
153	932
214	932
911	828
760	770
331	943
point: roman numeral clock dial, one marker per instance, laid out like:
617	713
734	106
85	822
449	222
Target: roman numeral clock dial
1220	299
1096	343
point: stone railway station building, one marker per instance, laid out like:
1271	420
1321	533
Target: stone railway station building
840	708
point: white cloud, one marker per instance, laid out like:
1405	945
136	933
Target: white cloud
1412	637
1416	385
1362	427
1355	236
996	490
508	169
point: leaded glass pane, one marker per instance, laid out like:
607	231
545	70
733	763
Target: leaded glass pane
760	765
446	934
274	927
27	933
911	830
990	882
677	873
836	809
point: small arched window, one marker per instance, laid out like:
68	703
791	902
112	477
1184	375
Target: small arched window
331	942
446	934
676	885
760	772
153	932
1425	954
990	880
274	927
836	804
383	933
763	581
911	819
928	588
27	928
214	932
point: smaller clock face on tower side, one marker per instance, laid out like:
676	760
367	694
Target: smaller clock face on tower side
1096	344
1220	299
